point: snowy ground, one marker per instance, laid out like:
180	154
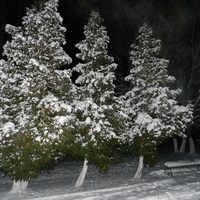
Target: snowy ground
118	184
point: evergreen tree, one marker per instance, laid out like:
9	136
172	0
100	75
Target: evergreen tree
154	114
98	110
35	96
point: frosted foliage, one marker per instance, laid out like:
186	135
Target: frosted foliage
97	67
40	39
36	97
98	110
98	122
96	41
151	105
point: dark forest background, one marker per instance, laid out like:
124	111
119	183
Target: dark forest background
175	22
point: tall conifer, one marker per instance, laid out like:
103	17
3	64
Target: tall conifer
98	110
35	96
154	113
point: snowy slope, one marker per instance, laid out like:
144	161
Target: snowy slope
118	184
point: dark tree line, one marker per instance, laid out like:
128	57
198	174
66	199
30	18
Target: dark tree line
176	23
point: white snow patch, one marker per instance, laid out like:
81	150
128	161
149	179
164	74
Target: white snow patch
7	127
88	120
63	119
182	163
68	108
143	118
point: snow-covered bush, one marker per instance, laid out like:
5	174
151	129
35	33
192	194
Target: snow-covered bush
100	122
36	111
154	114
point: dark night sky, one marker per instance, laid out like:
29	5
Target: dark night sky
175	22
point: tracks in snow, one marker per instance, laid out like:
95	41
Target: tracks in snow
158	190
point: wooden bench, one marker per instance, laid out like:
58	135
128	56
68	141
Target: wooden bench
169	166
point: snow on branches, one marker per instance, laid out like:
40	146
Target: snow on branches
98	110
36	113
154	113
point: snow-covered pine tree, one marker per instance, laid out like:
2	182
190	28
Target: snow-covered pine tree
154	114
98	110
35	96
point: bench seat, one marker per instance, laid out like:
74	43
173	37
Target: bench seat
169	166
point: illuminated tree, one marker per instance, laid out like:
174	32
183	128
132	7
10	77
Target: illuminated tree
98	110
35	96
154	114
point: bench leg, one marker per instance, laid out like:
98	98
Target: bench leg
168	172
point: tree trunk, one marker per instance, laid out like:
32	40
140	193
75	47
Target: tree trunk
191	144
19	187
138	173
175	142
191	141
82	175
183	145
